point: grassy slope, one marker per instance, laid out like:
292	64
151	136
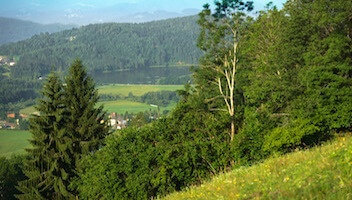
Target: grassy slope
319	173
13	142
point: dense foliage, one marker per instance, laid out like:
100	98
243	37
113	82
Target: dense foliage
67	128
153	160
10	174
298	77
108	47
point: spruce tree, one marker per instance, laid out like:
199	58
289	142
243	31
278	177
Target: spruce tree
68	127
48	164
87	125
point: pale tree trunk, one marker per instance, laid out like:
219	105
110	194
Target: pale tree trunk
227	90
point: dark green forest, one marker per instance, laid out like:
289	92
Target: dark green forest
108	47
266	85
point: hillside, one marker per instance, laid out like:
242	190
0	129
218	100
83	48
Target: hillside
108	47
319	173
14	30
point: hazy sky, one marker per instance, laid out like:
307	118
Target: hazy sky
85	11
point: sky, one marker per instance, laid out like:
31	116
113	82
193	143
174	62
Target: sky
95	11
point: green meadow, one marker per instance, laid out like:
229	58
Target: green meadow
122	106
137	90
13	142
323	172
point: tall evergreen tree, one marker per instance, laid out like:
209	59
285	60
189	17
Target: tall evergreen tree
68	127
48	166
87	124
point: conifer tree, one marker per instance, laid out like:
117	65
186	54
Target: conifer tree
67	128
48	165
87	124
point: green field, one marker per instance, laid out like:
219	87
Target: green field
28	110
13	142
121	106
137	90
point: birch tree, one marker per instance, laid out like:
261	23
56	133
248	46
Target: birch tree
221	30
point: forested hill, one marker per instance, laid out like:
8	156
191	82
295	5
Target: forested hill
14	30
108	47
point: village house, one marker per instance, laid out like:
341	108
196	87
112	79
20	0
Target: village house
6	61
7	125
116	121
11	115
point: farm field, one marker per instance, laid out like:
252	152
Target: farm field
121	106
136	90
13	142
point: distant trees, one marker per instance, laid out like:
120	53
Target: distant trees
162	98
67	128
15	91
108	47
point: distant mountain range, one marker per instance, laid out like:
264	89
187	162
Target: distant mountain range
93	11
154	16
14	30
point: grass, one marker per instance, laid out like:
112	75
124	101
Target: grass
320	173
13	142
28	110
137	90
121	106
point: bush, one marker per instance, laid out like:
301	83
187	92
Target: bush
154	160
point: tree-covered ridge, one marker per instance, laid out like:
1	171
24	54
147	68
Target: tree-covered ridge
14	30
108	47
